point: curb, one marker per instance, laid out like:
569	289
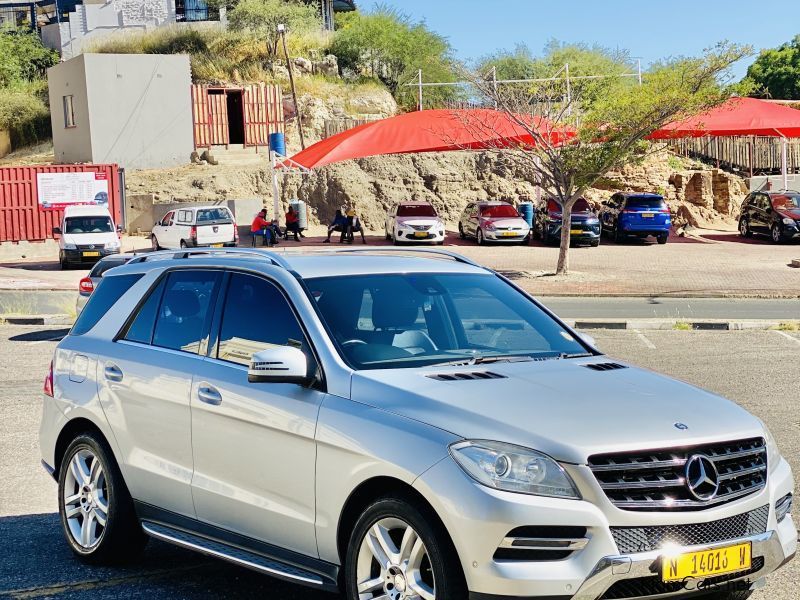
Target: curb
37	320
672	324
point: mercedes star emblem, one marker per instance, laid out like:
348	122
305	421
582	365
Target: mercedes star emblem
702	477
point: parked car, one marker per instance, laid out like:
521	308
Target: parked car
87	234
195	226
584	228
88	284
414	222
493	222
776	214
403	427
634	214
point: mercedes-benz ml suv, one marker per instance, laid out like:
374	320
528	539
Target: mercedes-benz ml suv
397	427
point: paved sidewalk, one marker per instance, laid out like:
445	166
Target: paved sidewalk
724	265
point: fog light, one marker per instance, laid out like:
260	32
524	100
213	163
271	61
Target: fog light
783	507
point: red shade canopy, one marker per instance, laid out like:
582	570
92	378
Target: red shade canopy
737	116
429	131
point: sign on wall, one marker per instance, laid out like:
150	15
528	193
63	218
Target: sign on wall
58	190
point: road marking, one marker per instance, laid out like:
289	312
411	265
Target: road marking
644	339
787	336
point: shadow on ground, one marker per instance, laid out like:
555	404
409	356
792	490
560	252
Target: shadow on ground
45	335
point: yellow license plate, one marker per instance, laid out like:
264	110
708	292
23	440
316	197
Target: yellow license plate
91	254
217	245
648	215
509	234
576	231
707	563
420	234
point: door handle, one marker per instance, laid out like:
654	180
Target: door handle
112	372
209	395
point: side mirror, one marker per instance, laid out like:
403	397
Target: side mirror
56	230
587	339
119	228
279	364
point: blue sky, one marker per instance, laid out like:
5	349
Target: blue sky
650	29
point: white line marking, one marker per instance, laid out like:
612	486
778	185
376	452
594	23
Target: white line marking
787	336
644	339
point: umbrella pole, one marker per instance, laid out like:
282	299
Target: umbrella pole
784	162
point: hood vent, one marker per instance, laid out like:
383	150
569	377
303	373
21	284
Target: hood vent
466	376
609	366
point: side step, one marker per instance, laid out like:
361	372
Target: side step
232	554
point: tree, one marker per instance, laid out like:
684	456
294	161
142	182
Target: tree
583	131
387	45
262	17
776	72
23	58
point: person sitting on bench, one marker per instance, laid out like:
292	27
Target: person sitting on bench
353	226
339	224
293	225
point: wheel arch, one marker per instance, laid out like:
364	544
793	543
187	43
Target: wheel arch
69	432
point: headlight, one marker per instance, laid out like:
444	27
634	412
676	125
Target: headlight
592	221
112	245
773	453
513	469
788	221
70	247
490	226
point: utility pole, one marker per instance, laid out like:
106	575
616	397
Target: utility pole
282	33
569	90
419	94
639	70
494	85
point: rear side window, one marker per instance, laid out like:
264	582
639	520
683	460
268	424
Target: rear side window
141	328
185	216
184	309
104	265
642	202
107	293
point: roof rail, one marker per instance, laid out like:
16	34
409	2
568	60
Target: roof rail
446	253
183	253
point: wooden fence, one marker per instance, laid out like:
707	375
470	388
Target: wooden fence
751	155
334	126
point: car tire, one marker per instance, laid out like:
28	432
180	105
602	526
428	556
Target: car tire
461	233
91	490
775	234
744	229
595	243
662	238
184	244
388	236
154	242
479	237
427	560
618	237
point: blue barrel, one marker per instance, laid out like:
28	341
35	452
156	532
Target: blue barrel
277	143
301	209
526	211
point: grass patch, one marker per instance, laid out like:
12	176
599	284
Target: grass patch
788	326
682	326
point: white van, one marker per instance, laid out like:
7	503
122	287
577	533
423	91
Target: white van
190	227
86	235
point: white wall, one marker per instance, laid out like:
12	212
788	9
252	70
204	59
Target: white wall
70	144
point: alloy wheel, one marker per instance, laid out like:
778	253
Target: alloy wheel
776	234
86	499
743	228
393	563
479	236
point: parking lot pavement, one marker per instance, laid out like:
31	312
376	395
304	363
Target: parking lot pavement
753	368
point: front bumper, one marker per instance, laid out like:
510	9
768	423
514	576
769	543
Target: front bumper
478	519
519	235
412	235
79	256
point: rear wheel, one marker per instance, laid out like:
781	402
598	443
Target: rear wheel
662	238
183	244
775	232
399	550
154	242
95	507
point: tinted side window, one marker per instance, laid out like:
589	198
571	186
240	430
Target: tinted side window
257	316
184	309
141	328
107	293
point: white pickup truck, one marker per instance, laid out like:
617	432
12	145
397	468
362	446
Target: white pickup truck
191	227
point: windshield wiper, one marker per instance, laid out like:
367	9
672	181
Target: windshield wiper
481	360
576	355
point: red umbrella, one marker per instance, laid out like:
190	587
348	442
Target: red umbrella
736	116
430	131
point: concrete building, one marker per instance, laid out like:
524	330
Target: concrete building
131	109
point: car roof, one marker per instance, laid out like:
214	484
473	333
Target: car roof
414	203
86	210
312	264
641	195
492	202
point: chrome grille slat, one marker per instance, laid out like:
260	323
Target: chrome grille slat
656	479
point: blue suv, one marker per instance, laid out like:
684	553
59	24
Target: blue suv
636	214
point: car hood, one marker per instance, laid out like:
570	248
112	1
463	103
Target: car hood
577	217
98	239
560	407
792	214
426	221
505	221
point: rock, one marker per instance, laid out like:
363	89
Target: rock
280	71
302	66
328	66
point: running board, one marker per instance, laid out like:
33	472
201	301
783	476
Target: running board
233	554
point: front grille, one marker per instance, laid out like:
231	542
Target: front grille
645	539
638	587
420	227
656	480
89	246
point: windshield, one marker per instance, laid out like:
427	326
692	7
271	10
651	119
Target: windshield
499	210
645	202
88	225
213	215
787	202
409	320
416	210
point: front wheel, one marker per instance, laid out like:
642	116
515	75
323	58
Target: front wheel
95	507
479	237
744	229
397	551
618	236
461	233
777	238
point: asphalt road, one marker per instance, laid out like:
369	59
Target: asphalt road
754	368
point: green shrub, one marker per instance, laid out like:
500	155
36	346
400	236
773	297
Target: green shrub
23	58
263	17
24	112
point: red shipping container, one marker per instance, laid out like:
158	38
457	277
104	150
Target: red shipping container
23	218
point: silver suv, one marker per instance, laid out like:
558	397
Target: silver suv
397	427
